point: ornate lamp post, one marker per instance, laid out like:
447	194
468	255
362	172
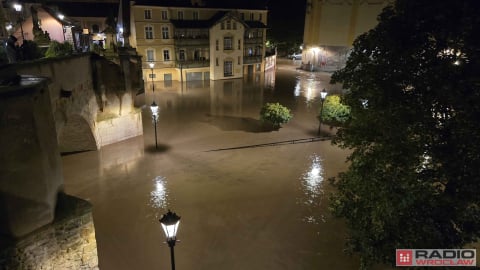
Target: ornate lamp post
152	64
323	95
170	222
154	108
18	8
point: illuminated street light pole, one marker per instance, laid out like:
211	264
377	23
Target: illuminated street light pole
18	8
151	64
170	222
154	108
323	95
61	17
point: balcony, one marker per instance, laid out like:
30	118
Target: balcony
255	59
202	62
191	40
254	40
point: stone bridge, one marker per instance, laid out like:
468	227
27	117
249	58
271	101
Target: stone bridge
48	106
91	98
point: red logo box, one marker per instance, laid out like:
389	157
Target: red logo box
404	257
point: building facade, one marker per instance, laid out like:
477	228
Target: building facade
331	26
197	42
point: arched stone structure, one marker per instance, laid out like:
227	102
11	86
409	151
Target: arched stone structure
76	135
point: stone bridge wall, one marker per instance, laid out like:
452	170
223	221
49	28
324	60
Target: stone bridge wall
91	103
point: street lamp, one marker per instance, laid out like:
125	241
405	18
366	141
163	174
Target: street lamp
154	108
323	95
18	8
170	222
61	17
151	64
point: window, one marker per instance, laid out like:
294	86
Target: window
222	26
234	25
229	25
228	68
239	61
242	15
181	55
251	16
180	15
164	15
227	43
216	61
165	32
260	16
166	55
148	32
239	44
195	15
150	55
148	14
216	44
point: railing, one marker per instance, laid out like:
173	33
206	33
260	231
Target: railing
252	59
257	40
193	63
192	42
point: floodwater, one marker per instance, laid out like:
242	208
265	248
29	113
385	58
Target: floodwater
247	208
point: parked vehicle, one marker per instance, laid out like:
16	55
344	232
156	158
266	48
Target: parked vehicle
295	56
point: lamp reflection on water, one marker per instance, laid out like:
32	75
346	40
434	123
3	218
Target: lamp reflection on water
312	190
159	195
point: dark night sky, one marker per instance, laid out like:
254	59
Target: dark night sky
286	21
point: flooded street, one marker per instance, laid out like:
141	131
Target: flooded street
250	208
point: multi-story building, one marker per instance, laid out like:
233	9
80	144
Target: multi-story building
197	42
331	26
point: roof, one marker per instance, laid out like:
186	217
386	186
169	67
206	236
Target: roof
221	4
214	19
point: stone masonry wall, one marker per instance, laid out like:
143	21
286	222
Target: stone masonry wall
67	243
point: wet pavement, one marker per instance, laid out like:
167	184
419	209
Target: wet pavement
251	208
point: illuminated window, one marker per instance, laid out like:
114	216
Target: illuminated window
227	43
165	32
166	55
148	14
150	55
148	32
164	15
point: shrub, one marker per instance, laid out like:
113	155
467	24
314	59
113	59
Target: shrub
59	49
334	112
275	114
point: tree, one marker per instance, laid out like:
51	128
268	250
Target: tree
414	172
275	113
57	49
334	113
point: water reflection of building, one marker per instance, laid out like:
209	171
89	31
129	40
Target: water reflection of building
223	97
191	40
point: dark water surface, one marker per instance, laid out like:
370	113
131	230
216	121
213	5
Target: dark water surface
252	208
